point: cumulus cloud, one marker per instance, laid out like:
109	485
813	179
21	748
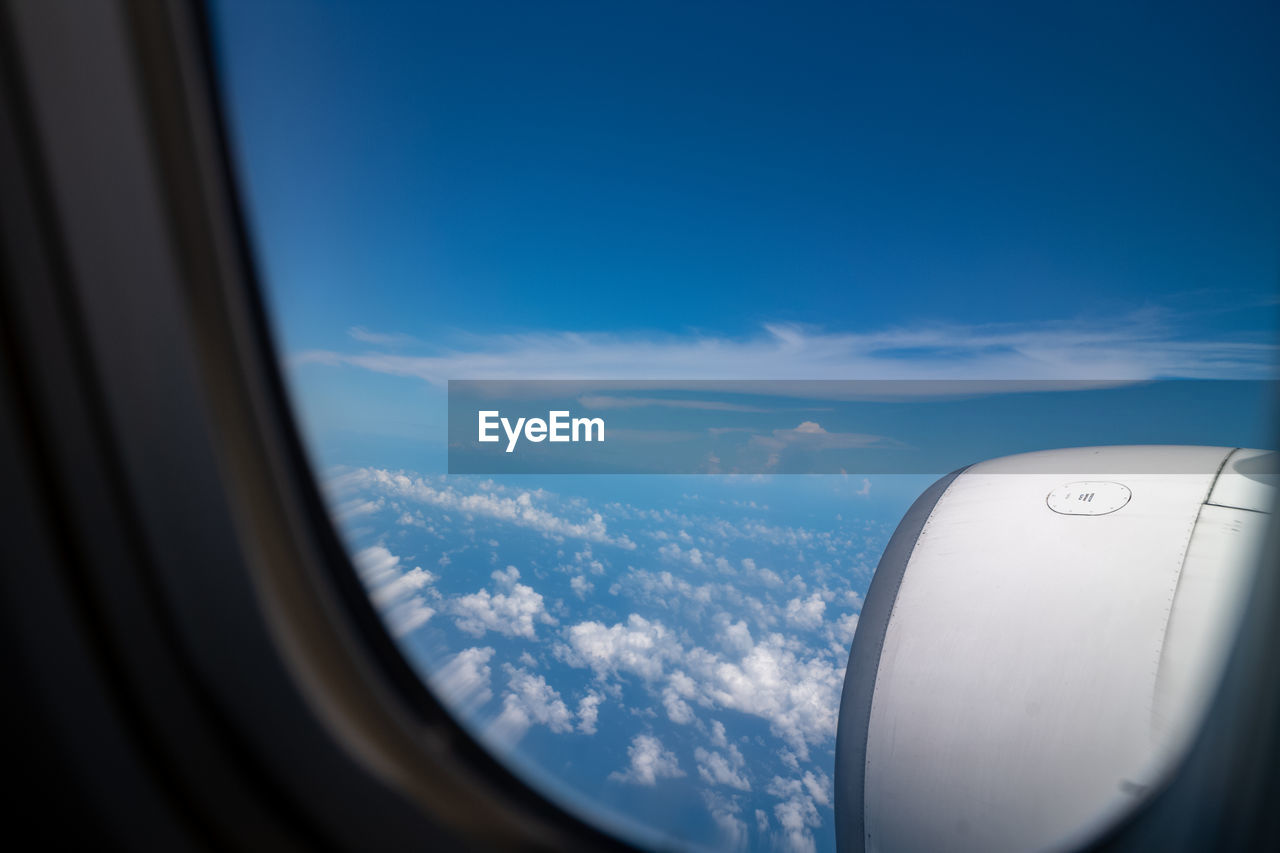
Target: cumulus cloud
513	611
587	560
376	566
664	588
348	511
405	617
724	812
794	688
529	700
843	630
522	510
810	435
649	762
589	712
581	586
678	710
692	556
797	811
402	586
806	612
394	591
779	658
734	636
464	682
798	692
722	769
639	647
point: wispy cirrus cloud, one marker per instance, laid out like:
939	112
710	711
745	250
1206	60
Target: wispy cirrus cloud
1142	345
381	339
604	401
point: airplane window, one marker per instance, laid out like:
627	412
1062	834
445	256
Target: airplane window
699	223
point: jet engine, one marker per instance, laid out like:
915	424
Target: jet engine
1040	642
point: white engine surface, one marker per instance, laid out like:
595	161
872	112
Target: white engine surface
1058	631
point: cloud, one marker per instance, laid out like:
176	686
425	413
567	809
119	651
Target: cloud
694	557
719	769
529	700
603	401
843	630
797	690
401	587
513	612
724	812
587	559
393	590
806	612
522	510
1142	345
639	647
797	813
734	636
581	586
678	710
351	510
405	617
376	565
649	762
683	650
464	682
589	712
810	435
381	339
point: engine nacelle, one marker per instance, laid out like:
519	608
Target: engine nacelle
1040	642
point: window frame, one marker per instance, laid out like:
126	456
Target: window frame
207	626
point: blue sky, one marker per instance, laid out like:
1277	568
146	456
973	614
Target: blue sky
699	166
723	191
